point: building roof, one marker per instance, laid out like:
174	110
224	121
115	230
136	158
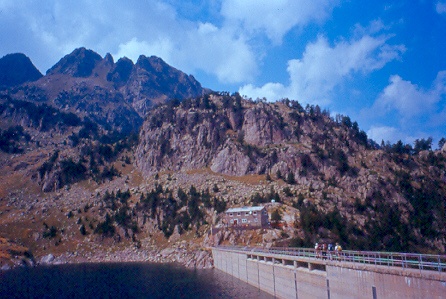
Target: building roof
245	209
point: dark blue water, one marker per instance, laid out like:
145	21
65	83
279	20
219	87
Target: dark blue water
123	280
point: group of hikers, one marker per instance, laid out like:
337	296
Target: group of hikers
322	249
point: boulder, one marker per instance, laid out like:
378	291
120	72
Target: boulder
47	259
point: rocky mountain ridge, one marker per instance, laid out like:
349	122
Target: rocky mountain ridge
75	181
114	95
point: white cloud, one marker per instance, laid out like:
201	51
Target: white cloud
271	91
324	67
219	51
134	48
385	133
202	47
374	27
408	99
413	110
275	18
440	7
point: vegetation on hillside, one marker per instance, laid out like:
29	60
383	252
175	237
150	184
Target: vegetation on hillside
402	203
10	139
168	209
41	116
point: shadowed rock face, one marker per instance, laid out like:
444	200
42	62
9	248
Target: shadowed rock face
16	69
121	72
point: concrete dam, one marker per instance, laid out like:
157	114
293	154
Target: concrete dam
304	273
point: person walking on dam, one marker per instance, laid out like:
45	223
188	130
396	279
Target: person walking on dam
338	249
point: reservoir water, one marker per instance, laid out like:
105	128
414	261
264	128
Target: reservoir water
122	280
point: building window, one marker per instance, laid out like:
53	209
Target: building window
254	213
239	214
230	215
246	213
244	221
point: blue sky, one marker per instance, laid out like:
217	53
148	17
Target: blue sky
380	62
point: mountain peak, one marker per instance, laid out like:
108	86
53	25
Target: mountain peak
152	63
16	69
109	58
79	63
149	82
169	81
121	71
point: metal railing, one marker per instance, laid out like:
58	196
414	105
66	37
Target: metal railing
390	259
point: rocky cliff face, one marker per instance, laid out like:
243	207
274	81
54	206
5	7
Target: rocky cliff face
328	167
237	137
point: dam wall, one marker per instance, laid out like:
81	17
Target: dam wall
286	276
